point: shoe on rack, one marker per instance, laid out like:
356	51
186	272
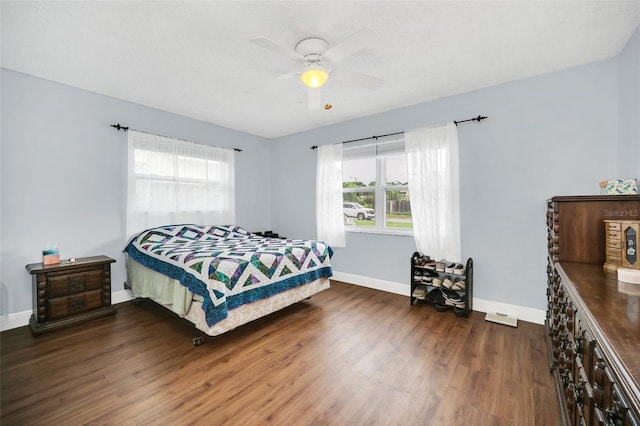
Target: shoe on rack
448	268
420	292
436	282
435	296
461	312
452	298
417	276
423	260
431	265
442	308
460	305
447	282
430	273
458	284
458	269
440	266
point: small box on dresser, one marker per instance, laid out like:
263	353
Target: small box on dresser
70	292
621	240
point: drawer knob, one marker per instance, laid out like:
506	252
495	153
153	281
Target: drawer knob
77	283
77	303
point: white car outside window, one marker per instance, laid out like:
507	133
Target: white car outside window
358	211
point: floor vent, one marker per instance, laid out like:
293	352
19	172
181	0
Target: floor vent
502	318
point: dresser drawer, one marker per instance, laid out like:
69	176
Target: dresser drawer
613	235
613	226
64	284
614	252
71	305
615	243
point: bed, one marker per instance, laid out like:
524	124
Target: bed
221	277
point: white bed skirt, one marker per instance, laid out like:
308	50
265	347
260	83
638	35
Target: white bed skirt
147	283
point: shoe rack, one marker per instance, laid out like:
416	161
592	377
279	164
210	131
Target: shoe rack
445	285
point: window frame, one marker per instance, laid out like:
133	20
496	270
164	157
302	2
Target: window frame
380	194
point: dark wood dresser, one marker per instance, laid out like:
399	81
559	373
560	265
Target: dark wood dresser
593	322
68	293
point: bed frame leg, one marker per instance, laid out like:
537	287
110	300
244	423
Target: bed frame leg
198	339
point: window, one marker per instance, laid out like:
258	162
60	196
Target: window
374	180
173	181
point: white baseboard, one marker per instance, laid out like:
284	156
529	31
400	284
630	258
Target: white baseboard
20	319
535	316
121	297
388	286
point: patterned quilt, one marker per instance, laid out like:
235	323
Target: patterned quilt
229	266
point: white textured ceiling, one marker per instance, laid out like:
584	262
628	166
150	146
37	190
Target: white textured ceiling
194	58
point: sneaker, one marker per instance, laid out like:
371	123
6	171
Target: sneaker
420	292
452	298
448	268
417	276
458	269
440	266
435	296
461	312
442	308
436	282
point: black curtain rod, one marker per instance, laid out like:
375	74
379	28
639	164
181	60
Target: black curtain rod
478	118
118	127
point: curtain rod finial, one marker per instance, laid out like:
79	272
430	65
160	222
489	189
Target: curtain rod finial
118	127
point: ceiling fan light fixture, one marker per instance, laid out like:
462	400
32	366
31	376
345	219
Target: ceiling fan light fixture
314	76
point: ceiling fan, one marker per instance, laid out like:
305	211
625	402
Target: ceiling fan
318	61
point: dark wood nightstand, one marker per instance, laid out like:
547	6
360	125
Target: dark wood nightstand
70	292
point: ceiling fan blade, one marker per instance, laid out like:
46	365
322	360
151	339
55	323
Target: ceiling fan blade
277	47
361	39
314	99
355	77
277	80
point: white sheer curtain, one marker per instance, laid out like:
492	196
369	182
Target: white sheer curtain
434	185
329	216
171	181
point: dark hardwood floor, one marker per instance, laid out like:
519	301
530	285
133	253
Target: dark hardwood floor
348	356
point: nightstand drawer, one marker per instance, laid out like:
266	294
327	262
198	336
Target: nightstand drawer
63	284
67	306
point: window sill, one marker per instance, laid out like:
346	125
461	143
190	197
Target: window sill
363	230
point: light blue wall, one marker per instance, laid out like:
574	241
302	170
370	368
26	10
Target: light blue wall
63	171
629	88
554	134
558	134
